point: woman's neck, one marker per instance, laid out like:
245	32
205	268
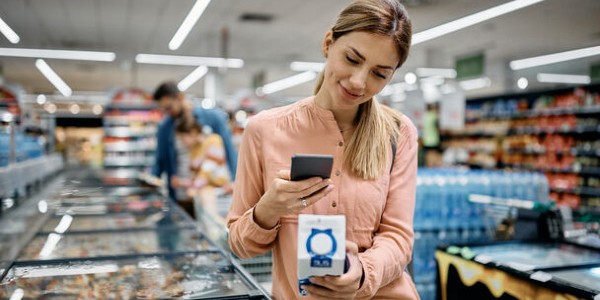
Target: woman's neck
345	118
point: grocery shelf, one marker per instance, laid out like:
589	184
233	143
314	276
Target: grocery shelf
592	171
128	161
131	106
576	130
583	191
128	147
125	132
559	111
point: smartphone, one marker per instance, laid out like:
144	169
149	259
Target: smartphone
311	165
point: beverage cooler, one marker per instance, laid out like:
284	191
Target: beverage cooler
91	240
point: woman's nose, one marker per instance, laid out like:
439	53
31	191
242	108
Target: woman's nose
358	80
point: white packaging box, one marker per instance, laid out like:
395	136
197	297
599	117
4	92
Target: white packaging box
321	247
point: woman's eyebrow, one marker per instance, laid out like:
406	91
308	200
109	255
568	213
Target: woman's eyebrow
363	58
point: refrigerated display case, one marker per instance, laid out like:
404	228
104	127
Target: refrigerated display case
203	275
516	270
113	243
69	223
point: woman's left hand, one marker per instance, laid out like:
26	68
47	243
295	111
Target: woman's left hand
344	286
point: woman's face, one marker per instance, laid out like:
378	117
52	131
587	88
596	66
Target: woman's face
359	65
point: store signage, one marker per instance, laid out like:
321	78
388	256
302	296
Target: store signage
452	111
595	73
470	66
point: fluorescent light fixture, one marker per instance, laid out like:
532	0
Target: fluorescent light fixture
50	245
563	78
188	23
189	80
288	82
64	224
470	20
301	66
58	83
179	60
10	34
58	54
522	83
433	80
477	83
410	78
41	99
553	58
427	72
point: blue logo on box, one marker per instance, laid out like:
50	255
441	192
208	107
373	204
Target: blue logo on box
320	260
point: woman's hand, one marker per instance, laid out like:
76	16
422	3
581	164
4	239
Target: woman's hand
288	197
344	286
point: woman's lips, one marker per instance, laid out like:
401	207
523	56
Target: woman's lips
349	94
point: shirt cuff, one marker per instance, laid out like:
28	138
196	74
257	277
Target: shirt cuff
364	291
259	232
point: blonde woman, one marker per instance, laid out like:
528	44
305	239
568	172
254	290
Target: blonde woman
373	189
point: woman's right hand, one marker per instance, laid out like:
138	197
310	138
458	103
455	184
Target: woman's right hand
289	197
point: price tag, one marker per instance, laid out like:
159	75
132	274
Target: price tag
541	276
482	258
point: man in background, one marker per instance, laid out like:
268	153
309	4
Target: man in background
171	158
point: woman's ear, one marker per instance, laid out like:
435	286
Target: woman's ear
327	41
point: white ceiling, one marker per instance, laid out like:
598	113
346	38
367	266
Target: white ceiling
128	27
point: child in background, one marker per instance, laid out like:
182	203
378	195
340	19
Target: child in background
208	166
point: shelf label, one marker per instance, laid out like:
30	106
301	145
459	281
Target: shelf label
541	276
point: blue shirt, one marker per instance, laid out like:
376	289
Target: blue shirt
166	154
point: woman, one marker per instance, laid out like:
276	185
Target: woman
373	189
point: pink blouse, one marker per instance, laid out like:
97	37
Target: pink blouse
379	213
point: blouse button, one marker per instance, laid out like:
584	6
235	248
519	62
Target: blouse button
333	204
338	173
341	144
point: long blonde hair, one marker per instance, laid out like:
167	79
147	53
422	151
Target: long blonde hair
377	125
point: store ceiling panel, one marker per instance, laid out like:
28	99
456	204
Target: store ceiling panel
128	27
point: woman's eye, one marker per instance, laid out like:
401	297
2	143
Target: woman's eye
380	75
351	60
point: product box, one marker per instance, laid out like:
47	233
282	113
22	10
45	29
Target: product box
321	247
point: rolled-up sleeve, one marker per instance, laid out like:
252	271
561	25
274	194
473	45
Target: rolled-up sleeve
392	246
246	238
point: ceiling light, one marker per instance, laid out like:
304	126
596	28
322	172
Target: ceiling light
58	83
179	60
433	80
74	108
58	54
288	82
522	83
97	109
426	72
188	23
41	99
301	66
470	20
10	35
50	107
477	83
554	58
410	78
208	103
563	78
198	73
